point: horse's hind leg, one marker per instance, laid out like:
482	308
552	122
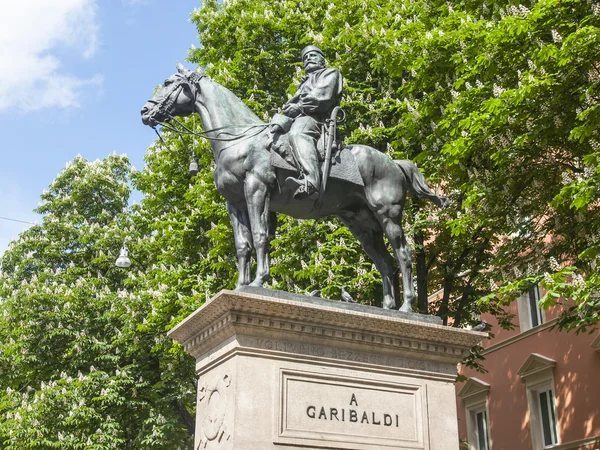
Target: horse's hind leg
393	229
258	201
243	242
366	229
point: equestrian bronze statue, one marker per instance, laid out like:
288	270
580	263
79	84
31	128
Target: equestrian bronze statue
261	169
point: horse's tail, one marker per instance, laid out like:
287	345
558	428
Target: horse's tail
415	181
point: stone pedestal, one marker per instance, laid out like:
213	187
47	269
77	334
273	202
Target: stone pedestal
283	371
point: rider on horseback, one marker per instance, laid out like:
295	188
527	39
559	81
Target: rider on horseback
318	94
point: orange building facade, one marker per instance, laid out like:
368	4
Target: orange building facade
541	391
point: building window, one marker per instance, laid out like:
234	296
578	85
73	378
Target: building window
596	343
548	417
535	312
537	372
530	313
475	397
483	439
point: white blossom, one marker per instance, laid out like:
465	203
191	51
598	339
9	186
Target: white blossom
556	37
578	280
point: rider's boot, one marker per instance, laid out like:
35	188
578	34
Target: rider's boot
303	187
305	151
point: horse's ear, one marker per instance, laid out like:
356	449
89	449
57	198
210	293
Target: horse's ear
180	68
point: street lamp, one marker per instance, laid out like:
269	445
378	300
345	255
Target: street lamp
193	169
123	259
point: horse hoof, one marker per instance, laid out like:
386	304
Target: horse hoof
389	304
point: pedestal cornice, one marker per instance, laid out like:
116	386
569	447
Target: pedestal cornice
230	313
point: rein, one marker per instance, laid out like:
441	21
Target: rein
250	130
204	134
193	170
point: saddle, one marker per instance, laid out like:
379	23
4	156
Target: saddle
343	164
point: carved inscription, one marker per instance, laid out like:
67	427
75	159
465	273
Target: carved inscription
291	347
340	409
354	356
353	415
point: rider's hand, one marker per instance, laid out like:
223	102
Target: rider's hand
291	110
310	103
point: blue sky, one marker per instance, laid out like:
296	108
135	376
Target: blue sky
74	75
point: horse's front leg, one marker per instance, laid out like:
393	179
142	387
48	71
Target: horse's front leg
243	242
258	202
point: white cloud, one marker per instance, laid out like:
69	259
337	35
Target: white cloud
32	33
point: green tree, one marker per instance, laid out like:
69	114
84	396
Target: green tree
84	356
496	102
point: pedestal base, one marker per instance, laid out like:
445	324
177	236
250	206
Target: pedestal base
284	373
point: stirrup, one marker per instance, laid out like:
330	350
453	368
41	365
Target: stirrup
303	187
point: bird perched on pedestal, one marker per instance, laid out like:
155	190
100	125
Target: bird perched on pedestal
346	297
481	327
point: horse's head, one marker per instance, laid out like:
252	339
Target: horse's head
176	97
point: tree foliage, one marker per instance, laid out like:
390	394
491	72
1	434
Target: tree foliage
496	101
85	361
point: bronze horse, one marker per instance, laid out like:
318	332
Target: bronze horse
254	189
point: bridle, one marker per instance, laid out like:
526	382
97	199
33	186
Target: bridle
164	106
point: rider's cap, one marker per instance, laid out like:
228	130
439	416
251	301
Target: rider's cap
311	48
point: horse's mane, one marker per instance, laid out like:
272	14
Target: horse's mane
230	104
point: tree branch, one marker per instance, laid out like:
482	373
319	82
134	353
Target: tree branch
186	418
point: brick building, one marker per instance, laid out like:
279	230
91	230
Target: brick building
542	389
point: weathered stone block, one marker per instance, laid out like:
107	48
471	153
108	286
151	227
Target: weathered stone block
282	371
